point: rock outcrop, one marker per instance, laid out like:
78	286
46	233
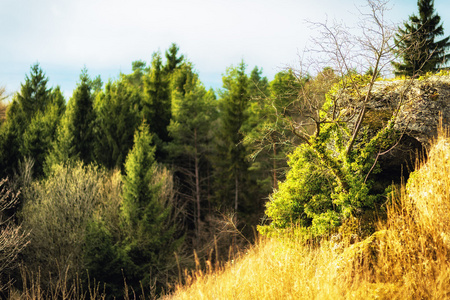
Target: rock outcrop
420	104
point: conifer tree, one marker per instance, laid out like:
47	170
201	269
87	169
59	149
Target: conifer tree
157	103
10	134
416	42
75	135
34	94
39	136
193	114
258	85
135	79
33	99
117	109
172	59
231	165
150	242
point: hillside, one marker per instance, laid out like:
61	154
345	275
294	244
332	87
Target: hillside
406	258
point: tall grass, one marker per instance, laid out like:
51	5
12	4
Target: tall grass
408	257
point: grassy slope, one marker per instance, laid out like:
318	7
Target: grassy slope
407	258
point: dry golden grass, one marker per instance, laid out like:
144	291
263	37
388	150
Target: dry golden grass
407	258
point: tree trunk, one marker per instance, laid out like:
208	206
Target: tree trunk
197	182
275	179
236	191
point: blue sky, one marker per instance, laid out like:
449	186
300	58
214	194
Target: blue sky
106	36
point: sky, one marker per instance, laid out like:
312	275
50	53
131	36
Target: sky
106	36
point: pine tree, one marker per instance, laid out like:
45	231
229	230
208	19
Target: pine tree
231	165
10	135
33	99
150	240
173	61
417	48
39	136
157	103
75	134
193	113
34	94
135	79
102	258
262	163
117	109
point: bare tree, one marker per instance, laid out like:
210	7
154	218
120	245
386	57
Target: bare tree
333	117
3	106
350	60
12	239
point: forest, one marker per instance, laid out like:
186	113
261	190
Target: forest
129	172
130	185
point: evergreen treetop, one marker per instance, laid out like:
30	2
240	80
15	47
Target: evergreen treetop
34	94
417	48
75	135
173	60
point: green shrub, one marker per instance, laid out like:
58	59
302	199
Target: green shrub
328	181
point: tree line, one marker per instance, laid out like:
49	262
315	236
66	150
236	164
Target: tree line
113	182
173	151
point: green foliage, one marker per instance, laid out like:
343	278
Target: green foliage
270	137
172	59
139	168
3	105
193	113
327	184
102	259
135	79
124	223
193	109
307	179
31	103
102	254
118	116
157	102
10	133
231	165
76	133
150	240
40	134
34	94
285	88
417	48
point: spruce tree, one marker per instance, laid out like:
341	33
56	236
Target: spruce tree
75	134
172	59
39	136
33	99
10	140
157	103
193	112
34	94
417	48
150	242
135	79
117	119
231	165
